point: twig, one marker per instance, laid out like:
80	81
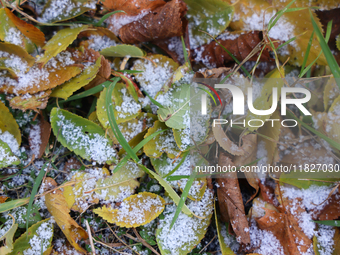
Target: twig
144	242
104	244
207	245
90	237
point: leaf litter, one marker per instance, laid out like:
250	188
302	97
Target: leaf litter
56	66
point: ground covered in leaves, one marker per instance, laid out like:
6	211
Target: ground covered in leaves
98	143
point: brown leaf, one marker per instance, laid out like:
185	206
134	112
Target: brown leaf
31	102
164	22
230	199
28	30
331	209
57	206
213	73
240	47
102	75
248	157
72	164
268	193
132	7
285	228
39	136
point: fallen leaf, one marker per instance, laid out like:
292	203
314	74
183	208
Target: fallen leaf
17	51
8	235
31	102
230	198
163	22
39	136
330	210
123	50
59	42
28	30
85	77
8	123
134	211
133	7
57	206
102	75
240	47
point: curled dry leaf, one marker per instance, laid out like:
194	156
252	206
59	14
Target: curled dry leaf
240	47
213	73
225	142
248	157
330	210
230	199
39	136
31	102
135	210
164	22
57	206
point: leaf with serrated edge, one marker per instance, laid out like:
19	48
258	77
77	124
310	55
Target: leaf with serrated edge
125	106
88	74
8	123
18	52
212	16
6	249
82	136
59	42
134	211
57	206
164	142
22	244
187	232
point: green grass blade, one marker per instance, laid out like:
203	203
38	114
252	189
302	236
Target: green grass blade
278	15
306	54
333	65
334	223
316	132
113	122
4	207
183	197
153	100
287	42
179	164
100	22
209	93
89	92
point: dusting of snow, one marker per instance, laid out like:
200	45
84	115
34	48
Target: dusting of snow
35	139
99	43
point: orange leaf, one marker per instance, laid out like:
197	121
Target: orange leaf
28	30
133	7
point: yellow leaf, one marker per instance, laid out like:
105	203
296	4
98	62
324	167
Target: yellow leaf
8	123
56	74
57	206
28	30
331	92
164	142
321	4
134	211
80	195
16	50
6	249
88	74
32	102
59	42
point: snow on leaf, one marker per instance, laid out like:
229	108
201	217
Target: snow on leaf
154	74
8	247
31	102
82	136
16	51
11	34
123	50
57	206
59	42
134	211
8	123
331	91
212	16
164	142
60	10
187	232
125	106
37	238
85	77
176	109
7	157
28	30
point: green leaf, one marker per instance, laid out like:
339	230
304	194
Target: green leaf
8	123
88	74
53	12
59	42
212	16
222	233
176	111
125	106
338	42
299	180
123	50
187	232
42	232
82	136
9	239
4	207
7	157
